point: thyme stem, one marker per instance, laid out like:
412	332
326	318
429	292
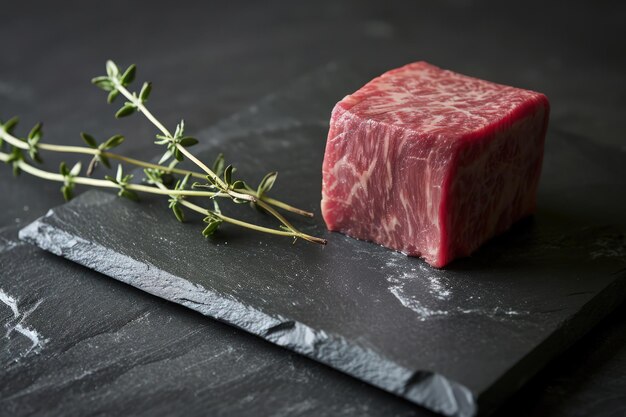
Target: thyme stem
227	219
144	110
288	225
52	176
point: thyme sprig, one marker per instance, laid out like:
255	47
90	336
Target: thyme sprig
17	145
219	181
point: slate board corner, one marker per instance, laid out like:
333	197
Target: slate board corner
30	234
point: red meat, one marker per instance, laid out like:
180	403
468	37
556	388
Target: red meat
432	163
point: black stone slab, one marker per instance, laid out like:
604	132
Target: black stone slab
77	343
454	341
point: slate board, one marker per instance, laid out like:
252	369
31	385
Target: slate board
76	343
455	341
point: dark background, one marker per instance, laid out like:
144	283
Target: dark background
210	59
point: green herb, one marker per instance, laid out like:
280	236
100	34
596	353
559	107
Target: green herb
122	181
219	181
101	156
68	179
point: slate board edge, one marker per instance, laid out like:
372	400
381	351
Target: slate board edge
423	387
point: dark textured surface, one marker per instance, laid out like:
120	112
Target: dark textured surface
445	339
110	350
103	348
215	58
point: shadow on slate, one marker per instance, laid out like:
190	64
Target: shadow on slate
455	341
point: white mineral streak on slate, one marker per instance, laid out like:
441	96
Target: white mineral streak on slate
9	301
437	287
17	324
410	301
6	245
609	247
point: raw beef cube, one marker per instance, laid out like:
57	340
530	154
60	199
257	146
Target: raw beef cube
432	163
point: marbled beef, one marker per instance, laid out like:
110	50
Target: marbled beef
432	163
